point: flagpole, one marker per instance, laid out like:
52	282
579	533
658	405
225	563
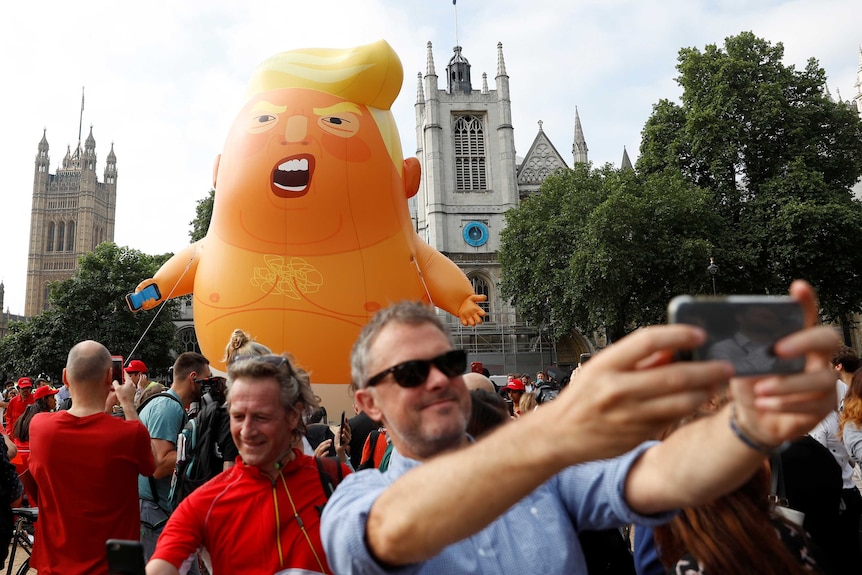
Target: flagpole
81	119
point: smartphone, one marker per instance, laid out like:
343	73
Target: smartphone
742	330
341	429
125	557
117	368
135	301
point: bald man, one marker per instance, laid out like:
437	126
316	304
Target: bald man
86	464
478	381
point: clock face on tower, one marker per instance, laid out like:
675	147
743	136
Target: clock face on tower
476	234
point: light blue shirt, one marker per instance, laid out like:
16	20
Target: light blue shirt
536	535
164	418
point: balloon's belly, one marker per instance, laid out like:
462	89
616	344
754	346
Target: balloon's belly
312	308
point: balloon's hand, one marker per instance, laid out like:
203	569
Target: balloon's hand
147	296
470	313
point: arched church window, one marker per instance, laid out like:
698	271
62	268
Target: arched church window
470	162
61	235
70	236
481	286
188	339
50	246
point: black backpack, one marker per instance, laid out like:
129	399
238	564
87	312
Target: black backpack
545	393
198	460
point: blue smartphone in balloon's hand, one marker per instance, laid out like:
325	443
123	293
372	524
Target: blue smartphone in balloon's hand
135	301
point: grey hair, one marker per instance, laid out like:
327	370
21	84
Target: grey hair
293	382
405	312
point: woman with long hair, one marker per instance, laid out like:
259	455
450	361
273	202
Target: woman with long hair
736	533
850	419
44	402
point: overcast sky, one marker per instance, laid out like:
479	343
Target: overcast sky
164	79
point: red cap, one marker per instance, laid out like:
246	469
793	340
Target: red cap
136	366
25	382
44	391
516	385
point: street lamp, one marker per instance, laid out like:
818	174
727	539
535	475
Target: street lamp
712	269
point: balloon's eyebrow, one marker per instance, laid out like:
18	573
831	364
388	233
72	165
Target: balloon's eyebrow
267	107
337	108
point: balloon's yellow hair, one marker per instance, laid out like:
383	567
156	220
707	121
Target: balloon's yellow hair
370	75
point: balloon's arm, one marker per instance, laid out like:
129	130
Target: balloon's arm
176	278
447	285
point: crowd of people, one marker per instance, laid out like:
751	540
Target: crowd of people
442	471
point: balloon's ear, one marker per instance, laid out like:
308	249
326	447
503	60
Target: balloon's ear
215	169
411	176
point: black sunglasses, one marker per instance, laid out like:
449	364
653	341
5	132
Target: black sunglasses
413	373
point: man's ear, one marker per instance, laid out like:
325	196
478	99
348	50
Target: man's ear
367	402
293	415
215	169
411	175
65	378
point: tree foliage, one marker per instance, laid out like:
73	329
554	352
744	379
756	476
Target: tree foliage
203	214
779	157
91	305
607	248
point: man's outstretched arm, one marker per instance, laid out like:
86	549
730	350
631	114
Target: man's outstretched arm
621	398
708	458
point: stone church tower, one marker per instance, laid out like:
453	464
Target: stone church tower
72	213
470	179
466	147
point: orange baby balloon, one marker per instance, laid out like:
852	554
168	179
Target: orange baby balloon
310	231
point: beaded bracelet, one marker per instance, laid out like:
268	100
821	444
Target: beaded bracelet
752	443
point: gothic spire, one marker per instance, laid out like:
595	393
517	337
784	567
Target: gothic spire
626	163
43	143
579	146
501	65
429	67
484	83
420	92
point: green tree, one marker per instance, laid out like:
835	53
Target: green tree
608	248
91	305
745	117
778	156
203	214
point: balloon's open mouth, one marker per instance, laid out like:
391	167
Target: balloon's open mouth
292	176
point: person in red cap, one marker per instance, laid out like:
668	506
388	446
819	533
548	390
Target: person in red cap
19	403
43	402
136	372
515	388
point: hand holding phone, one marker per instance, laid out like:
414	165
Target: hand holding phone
136	301
117	369
742	330
344	432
